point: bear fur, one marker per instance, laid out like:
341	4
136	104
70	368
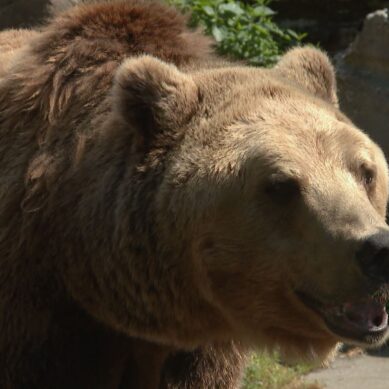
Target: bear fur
10	42
160	207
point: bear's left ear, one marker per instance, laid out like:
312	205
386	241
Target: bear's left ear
153	96
311	69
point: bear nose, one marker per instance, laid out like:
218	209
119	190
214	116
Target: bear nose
373	257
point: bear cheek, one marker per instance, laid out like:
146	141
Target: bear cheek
250	292
264	312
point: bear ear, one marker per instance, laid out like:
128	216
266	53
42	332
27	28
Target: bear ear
153	96
311	69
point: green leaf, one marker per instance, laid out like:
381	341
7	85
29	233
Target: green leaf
233	8
242	29
209	10
292	34
217	34
262	10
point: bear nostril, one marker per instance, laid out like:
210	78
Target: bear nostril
381	259
373	257
378	268
378	320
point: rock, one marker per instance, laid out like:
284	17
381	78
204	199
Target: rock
28	13
22	13
363	78
370	48
60	5
332	23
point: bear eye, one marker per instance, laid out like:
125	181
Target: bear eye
282	189
368	176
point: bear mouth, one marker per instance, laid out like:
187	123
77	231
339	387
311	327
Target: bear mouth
364	322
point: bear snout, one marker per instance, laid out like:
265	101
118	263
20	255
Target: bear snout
373	257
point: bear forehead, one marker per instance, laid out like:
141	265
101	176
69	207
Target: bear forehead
304	147
262	97
309	141
253	109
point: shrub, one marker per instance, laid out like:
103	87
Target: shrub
266	372
241	30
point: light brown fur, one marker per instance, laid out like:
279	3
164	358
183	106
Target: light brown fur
10	42
135	232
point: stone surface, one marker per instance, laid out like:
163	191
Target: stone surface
332	23
22	13
363	78
362	372
27	13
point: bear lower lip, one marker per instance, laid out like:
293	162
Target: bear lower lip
363	322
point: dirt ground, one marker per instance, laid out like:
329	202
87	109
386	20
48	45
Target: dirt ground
361	371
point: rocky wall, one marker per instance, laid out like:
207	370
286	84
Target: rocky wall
21	13
363	78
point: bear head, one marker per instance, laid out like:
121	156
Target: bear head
273	199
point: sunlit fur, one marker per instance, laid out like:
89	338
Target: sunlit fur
137	241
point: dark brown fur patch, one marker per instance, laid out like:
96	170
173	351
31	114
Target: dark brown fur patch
51	104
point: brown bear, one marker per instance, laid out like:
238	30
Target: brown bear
163	212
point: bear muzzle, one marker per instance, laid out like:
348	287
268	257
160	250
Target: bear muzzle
363	322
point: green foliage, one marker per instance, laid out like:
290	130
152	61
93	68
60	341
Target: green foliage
265	372
242	30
